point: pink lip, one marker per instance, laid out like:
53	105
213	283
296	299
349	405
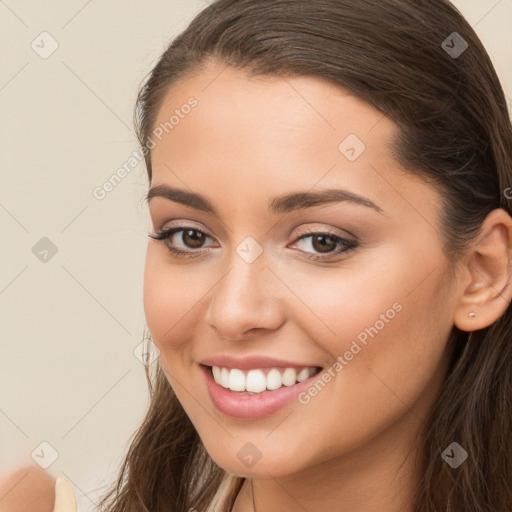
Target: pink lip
250	407
252	362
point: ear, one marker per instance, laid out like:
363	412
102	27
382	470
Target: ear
485	283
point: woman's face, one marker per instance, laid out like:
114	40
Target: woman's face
358	287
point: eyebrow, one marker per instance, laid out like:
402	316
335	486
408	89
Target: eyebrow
282	204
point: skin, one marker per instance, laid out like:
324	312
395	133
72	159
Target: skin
353	446
27	489
31	488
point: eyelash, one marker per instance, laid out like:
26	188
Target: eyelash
165	234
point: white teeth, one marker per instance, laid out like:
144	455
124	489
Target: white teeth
224	378
236	380
289	377
303	374
274	380
256	381
216	374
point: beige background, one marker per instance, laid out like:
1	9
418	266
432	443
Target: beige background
69	325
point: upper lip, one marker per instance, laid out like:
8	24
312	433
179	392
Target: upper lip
252	362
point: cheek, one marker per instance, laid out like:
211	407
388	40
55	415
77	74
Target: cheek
383	297
387	333
387	365
158	298
171	295
345	304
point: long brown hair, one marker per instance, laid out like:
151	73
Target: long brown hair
454	132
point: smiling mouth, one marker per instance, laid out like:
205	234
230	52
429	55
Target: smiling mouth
260	380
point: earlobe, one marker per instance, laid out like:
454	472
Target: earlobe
486	288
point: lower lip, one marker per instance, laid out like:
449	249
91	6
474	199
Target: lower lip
249	407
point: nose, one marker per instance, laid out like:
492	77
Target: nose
246	300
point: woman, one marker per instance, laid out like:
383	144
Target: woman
327	276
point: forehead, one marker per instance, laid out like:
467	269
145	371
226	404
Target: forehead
301	108
265	135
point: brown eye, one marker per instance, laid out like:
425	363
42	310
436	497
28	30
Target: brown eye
323	246
183	241
193	238
322	243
